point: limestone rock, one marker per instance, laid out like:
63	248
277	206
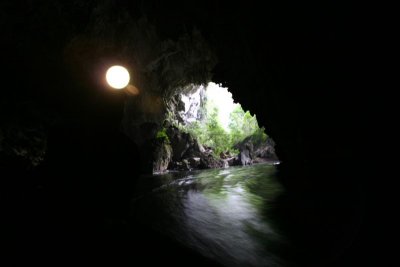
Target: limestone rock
162	156
180	142
209	162
245	158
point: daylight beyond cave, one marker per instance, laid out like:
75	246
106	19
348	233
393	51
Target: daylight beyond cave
205	128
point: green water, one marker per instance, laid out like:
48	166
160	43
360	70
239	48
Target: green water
224	214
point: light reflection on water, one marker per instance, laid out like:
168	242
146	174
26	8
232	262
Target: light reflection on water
221	213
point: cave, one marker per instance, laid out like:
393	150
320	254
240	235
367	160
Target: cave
74	153
197	127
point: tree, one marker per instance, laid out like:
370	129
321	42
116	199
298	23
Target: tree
217	137
210	132
241	125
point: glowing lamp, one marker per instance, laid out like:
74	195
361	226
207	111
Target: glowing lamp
117	77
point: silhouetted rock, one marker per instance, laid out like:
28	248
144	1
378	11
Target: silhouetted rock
162	156
180	142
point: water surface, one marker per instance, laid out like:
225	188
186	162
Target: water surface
224	214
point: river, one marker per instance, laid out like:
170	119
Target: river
224	214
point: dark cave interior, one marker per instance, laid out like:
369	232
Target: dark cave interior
296	66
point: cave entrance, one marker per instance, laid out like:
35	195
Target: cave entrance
206	128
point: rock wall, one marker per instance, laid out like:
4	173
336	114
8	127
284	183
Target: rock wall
255	151
160	67
23	138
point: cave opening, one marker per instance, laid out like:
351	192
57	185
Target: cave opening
68	169
205	128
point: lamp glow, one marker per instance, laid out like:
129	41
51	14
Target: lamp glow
117	77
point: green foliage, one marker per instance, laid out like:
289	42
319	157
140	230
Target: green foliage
242	125
162	135
217	137
210	132
259	136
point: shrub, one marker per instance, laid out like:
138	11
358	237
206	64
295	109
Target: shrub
162	135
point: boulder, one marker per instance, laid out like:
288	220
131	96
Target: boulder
209	162
256	149
245	157
162	156
180	142
225	163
